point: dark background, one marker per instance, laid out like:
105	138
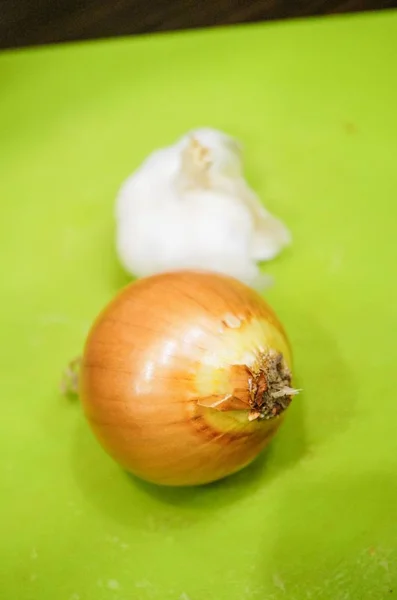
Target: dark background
32	22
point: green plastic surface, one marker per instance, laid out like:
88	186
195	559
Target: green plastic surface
315	104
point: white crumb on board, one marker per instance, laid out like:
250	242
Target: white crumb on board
374	566
113	584
184	596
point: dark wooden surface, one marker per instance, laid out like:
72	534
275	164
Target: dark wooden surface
32	22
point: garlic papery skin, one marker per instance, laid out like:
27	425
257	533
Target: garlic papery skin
189	206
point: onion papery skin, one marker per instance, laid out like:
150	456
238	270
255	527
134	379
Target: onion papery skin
163	351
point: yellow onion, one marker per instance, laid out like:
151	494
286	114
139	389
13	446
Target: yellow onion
185	377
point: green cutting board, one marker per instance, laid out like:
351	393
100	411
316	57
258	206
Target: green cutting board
315	104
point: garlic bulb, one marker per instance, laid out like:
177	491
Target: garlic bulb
189	206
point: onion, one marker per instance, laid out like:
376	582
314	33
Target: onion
185	377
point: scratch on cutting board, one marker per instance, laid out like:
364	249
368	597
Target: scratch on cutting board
48	319
374	565
144	583
278	582
113	539
336	260
384	564
54	319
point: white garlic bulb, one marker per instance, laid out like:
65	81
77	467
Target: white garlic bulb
189	206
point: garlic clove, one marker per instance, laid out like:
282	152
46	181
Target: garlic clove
270	237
